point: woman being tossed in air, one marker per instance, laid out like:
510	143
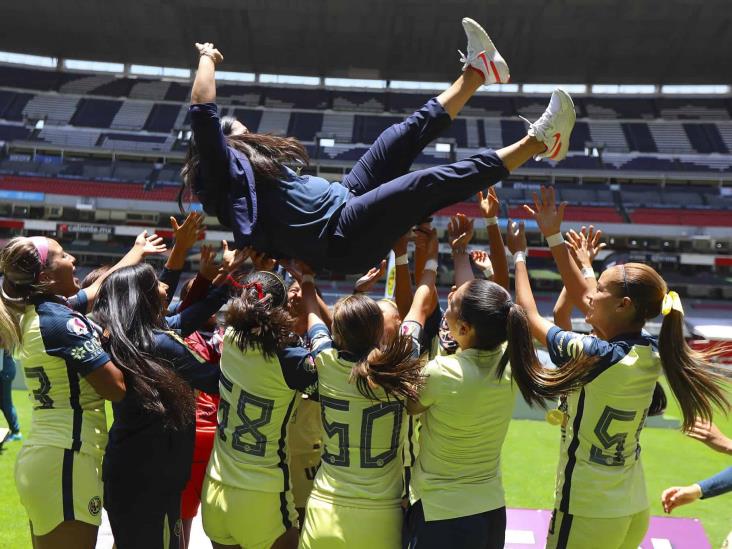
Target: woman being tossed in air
609	378
349	226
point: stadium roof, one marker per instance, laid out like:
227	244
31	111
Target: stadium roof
554	41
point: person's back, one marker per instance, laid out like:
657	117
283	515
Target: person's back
463	429
362	440
601	450
255	407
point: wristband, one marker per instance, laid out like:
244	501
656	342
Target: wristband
491	221
307	278
430	265
488	271
401	260
555	240
519	256
588	272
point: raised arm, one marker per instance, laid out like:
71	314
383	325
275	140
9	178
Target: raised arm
584	247
204	86
516	239
425	295
549	218
491	206
185	236
144	245
563	311
460	233
403	293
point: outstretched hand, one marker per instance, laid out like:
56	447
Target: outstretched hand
481	259
585	245
149	244
207	49
489	203
546	213
460	232
679	495
516	236
187	234
367	281
710	435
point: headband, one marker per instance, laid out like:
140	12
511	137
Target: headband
41	245
672	302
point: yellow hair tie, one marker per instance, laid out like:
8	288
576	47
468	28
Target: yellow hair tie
672	301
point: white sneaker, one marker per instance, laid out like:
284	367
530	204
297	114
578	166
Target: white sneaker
554	126
483	55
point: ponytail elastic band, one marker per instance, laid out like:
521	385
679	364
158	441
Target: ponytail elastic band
41	245
672	301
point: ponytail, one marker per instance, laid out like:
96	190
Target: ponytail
393	368
257	316
691	374
525	366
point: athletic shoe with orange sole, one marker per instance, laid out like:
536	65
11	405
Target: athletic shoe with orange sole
554	126
482	55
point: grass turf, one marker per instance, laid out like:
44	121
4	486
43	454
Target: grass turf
530	456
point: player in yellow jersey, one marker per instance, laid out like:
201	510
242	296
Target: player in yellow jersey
58	472
456	496
356	498
610	379
247	494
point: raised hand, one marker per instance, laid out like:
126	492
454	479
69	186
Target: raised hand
710	435
489	204
516	236
481	259
187	234
262	262
585	245
546	213
367	281
460	233
208	268
149	245
679	495
207	49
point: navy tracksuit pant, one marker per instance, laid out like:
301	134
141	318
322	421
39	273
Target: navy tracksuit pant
388	200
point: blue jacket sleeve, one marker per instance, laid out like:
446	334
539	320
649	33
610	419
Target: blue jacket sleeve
298	363
721	483
171	278
224	181
199	374
191	319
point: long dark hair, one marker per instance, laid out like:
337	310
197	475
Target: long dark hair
267	154
691	374
358	324
130	309
259	317
496	319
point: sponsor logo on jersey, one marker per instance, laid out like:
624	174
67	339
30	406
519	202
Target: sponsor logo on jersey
77	326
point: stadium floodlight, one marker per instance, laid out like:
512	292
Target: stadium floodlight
326	142
443	147
40	124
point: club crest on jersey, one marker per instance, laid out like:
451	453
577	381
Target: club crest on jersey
95	506
77	326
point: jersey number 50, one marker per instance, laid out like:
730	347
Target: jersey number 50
368	418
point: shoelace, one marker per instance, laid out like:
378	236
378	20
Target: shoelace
538	125
465	60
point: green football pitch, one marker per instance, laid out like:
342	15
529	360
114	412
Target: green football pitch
530	457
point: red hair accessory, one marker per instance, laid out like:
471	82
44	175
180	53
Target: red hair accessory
257	285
